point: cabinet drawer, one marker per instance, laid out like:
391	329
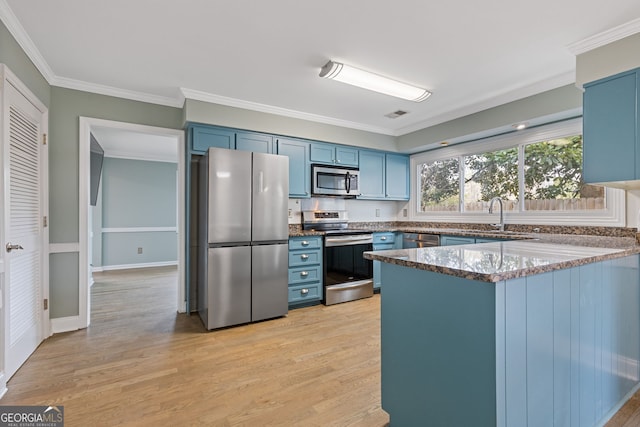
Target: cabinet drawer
304	293
300	258
311	242
304	275
384	238
382	246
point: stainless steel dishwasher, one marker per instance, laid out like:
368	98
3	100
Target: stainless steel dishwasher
420	240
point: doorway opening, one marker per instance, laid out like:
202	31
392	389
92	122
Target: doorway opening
138	220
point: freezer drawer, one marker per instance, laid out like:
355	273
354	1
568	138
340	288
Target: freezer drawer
269	266
228	290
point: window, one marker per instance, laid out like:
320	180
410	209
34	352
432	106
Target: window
489	175
553	177
440	184
537	173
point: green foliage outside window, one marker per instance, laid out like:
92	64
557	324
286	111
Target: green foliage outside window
552	173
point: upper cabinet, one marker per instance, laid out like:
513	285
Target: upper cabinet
611	130
372	174
256	142
397	176
332	154
384	176
203	137
299	169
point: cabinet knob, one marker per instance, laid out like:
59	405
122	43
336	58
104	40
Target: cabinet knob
304	273
304	291
304	256
305	243
383	238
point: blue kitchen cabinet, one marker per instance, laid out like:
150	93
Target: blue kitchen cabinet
299	171
204	137
397	177
372	176
456	240
384	176
611	129
256	142
305	270
381	241
333	154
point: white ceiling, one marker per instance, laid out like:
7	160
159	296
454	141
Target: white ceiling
266	55
136	145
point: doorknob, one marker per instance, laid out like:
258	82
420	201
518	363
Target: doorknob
11	247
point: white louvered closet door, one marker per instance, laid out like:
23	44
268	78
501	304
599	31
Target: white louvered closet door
23	227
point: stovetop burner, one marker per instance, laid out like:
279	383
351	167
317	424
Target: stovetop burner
332	222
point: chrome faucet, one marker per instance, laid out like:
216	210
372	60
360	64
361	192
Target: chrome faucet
501	225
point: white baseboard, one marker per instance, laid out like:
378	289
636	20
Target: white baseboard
618	406
129	266
65	324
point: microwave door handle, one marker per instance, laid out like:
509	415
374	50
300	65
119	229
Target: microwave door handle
347	182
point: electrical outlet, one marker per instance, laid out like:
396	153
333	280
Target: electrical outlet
139	250
404	212
377	212
290	213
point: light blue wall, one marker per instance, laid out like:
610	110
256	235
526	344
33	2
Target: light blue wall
135	194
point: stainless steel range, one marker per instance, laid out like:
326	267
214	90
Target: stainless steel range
347	275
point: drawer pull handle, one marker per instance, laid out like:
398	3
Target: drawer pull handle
304	256
383	238
304	243
304	291
304	273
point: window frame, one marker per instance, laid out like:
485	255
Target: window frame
612	215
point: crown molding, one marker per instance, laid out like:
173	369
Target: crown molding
264	108
64	82
28	46
605	37
493	100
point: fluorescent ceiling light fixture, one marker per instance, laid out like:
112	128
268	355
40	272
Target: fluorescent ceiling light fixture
364	79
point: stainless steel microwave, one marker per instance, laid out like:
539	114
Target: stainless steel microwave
335	181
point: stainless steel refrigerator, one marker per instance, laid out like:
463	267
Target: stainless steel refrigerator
243	237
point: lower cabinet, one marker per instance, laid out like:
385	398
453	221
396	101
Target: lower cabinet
381	242
461	240
456	240
305	270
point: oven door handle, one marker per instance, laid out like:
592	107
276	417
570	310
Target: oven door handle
348	240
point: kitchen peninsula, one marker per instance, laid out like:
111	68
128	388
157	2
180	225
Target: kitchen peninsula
510	333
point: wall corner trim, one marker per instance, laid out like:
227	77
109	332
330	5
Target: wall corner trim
65	324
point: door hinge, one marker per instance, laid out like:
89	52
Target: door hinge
46	303
44	221
44	139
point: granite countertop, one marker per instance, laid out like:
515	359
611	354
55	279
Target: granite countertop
497	261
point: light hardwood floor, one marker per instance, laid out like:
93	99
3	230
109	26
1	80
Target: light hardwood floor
140	363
